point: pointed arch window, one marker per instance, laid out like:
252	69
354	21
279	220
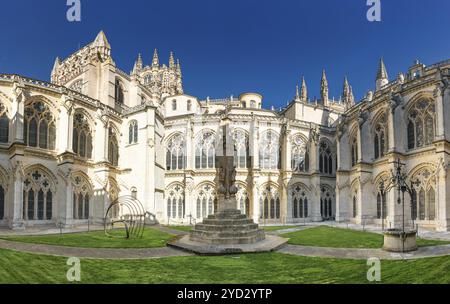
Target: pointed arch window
424	195
299	201
206	201
270	203
133	132
380	137
81	197
326	202
269	151
2	203
354	151
205	152
300	155
119	92
355	206
241	150
175	154
4	125
243	200
39	126
382	211
82	136
175	203
113	148
325	158
37	197
421	124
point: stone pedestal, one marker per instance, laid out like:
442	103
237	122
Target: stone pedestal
227	227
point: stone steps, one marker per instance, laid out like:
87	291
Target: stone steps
245	227
225	234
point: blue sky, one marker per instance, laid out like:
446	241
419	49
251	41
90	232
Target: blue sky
230	47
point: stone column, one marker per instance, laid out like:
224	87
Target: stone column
17	112
442	200
439	94
391	128
65	126
17	222
255	200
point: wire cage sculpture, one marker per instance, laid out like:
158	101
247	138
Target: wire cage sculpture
128	213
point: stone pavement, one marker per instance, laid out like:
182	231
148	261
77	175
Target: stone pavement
352	253
93	253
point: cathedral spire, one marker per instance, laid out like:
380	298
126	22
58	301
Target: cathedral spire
304	91
297	93
324	88
347	95
56	65
171	61
382	75
138	65
155	61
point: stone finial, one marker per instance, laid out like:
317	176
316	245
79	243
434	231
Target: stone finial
155	61
304	91
101	41
171	61
324	88
382	76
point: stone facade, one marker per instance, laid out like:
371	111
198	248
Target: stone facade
70	147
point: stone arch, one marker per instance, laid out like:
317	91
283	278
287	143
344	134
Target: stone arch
38	167
205	199
327	201
270	201
174	201
53	106
90	119
417	97
4	181
299	200
39	191
425	202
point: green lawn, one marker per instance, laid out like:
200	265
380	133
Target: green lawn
324	236
151	238
264	268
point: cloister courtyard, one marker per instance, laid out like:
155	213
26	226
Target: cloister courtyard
321	253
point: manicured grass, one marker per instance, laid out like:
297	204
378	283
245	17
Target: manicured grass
264	268
151	238
324	236
276	228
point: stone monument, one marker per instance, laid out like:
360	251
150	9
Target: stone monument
228	230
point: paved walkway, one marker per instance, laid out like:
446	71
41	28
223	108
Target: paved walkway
93	253
352	253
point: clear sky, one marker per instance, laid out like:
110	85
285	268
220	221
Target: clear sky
229	47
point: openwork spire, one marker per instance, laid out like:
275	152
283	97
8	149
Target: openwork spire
347	94
171	61
155	61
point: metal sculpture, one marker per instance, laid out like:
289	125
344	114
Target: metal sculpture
129	212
